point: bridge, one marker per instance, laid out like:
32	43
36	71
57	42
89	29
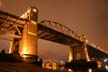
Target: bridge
23	30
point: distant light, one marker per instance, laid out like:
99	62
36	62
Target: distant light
99	64
25	15
105	60
70	70
34	10
28	11
86	41
89	70
93	45
106	67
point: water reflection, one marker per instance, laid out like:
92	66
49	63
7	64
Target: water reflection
87	70
80	70
55	66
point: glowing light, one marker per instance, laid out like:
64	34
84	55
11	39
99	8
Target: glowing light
89	70
34	10
54	66
88	59
28	11
106	63
70	55
32	33
24	48
70	58
33	22
70	70
86	41
99	64
106	67
50	65
24	51
25	15
105	60
10	49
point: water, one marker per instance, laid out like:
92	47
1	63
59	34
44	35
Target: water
102	67
82	70
62	68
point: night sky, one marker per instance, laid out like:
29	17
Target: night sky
88	17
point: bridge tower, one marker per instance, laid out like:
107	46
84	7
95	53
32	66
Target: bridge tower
27	45
79	51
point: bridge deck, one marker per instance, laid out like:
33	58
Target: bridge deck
52	35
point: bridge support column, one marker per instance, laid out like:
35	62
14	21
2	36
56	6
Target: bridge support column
86	52
70	55
79	52
28	43
11	48
14	45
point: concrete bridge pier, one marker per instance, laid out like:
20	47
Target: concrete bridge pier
27	45
78	57
78	52
70	54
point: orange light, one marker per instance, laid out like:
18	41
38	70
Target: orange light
99	64
88	59
89	70
24	49
34	10
70	55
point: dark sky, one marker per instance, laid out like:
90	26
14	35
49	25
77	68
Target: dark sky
89	17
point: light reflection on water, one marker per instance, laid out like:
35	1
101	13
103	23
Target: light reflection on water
86	70
54	66
79	70
62	68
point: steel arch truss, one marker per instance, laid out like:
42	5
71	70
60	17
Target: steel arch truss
10	26
59	27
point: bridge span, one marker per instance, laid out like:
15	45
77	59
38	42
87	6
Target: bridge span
23	30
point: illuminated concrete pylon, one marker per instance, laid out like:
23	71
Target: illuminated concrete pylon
70	55
27	45
84	46
79	51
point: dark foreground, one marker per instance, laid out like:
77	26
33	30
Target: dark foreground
23	67
15	63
